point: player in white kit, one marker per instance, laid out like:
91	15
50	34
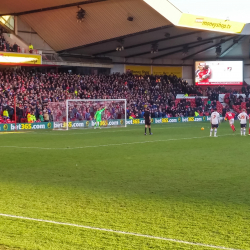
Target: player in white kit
215	121
243	117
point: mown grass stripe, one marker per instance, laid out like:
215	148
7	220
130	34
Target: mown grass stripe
114	144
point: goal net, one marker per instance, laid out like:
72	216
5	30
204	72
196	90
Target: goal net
58	113
80	113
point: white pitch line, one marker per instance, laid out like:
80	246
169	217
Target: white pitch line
109	145
118	232
96	132
138	127
56	133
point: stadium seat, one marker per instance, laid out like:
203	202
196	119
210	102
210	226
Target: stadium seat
23	120
13	118
243	105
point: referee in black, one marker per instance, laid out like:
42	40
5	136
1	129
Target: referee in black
147	118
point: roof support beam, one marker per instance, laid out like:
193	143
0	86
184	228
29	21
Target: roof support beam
28	32
176	46
154	64
232	46
117	38
52	8
180	50
146	43
206	49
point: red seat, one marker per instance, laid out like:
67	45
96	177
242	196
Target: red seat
243	105
23	120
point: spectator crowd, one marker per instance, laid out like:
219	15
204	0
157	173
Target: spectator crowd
35	91
7	47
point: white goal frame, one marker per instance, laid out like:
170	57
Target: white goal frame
94	100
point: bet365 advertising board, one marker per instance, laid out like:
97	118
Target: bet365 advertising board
90	124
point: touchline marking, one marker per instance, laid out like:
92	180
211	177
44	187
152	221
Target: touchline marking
118	232
109	145
56	133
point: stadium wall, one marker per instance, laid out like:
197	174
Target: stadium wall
247	72
187	74
187	71
13	39
118	68
28	35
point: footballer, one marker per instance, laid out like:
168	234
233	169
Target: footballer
243	117
215	121
230	117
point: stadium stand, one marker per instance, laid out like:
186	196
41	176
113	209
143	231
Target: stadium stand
7	47
34	91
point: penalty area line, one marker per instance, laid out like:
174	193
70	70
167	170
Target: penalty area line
114	144
118	232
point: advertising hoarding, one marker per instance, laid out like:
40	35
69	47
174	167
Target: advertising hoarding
209	23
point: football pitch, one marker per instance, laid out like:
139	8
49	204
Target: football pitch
118	189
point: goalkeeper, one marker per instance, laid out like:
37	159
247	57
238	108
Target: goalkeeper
98	117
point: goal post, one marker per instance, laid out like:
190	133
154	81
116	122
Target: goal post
80	113
57	111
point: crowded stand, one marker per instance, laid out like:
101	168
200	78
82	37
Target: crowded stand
7	47
34	92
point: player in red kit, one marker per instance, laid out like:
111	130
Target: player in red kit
230	117
203	73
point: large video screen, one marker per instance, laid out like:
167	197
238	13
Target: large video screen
218	72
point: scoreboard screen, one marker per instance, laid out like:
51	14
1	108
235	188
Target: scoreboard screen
219	72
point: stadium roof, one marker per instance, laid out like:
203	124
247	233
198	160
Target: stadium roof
104	20
199	44
11	7
223	9
106	24
215	15
234	10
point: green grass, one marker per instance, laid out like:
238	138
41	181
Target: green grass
194	190
6	248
